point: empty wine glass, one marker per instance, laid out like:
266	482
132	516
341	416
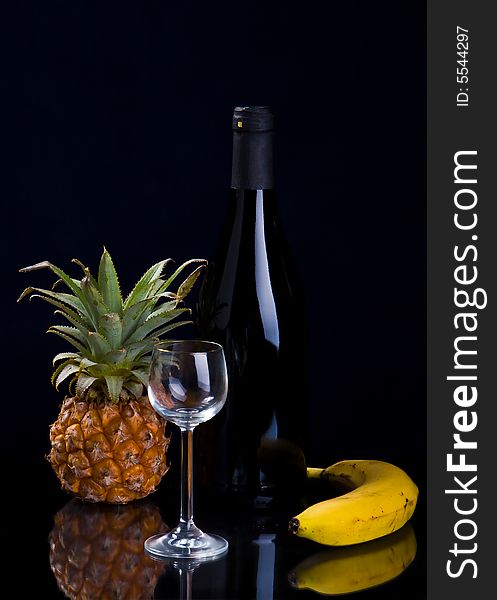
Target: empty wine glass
188	384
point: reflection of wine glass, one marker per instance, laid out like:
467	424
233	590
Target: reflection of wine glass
185	568
188	384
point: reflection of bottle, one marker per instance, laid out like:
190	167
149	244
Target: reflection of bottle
252	570
251	304
265	565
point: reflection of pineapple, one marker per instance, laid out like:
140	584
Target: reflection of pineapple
108	444
96	551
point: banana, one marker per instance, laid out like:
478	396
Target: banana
345	570
382	500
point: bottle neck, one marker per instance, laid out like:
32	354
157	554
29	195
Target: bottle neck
245	210
252	160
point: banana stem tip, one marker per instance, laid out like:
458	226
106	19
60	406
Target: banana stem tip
293	525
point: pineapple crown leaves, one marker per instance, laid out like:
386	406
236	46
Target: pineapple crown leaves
112	337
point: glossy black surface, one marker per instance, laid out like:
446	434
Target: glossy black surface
261	555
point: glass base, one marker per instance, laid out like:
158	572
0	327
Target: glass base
190	543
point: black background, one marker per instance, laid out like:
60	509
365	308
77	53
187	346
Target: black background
117	133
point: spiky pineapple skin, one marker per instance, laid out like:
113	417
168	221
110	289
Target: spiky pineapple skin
112	453
96	551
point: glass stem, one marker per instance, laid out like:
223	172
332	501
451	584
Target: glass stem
186	517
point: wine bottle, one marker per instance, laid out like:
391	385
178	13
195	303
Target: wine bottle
251	302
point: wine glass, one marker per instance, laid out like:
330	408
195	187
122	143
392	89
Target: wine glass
188	384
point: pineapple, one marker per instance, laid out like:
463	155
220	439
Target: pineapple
108	444
96	551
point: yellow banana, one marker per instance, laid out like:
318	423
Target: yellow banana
382	500
344	570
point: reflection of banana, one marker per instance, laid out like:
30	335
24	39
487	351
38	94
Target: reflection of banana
382	500
345	570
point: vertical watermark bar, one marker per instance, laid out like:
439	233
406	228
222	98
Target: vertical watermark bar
462	297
